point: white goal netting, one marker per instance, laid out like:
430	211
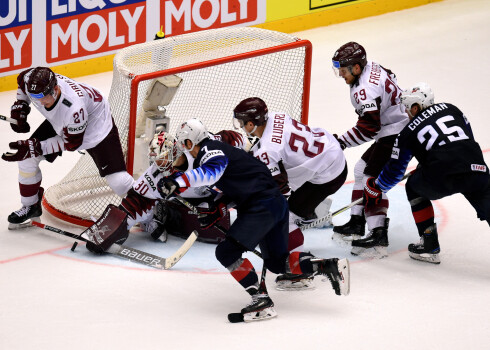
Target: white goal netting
217	68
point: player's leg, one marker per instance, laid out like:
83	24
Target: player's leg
427	249
376	216
479	195
30	178
355	227
109	159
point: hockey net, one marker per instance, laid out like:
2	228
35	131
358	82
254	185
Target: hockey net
218	68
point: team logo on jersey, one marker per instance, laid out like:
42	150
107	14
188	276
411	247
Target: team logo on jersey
367	107
211	154
479	167
395	153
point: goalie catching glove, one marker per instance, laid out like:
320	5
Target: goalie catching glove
111	228
208	217
372	193
30	148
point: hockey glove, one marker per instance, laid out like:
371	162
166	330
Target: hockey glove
210	216
30	148
19	111
166	186
372	193
341	143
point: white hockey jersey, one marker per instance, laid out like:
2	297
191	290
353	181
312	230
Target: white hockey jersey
307	154
81	117
376	98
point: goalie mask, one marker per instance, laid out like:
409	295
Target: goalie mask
163	152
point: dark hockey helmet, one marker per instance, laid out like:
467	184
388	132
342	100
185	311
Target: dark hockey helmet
41	82
348	55
250	109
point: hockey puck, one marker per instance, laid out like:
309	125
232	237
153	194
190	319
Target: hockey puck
74	246
235	317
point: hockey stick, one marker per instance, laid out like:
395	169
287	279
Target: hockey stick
133	254
7	119
341	210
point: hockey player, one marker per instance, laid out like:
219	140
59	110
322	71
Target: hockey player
375	95
450	161
78	117
159	217
262	217
307	164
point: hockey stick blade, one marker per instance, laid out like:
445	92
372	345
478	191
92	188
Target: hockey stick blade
7	119
131	254
341	210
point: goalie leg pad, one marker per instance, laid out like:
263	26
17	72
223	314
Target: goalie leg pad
110	228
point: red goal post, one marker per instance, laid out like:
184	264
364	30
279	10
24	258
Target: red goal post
216	70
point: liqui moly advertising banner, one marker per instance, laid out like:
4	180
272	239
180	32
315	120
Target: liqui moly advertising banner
56	32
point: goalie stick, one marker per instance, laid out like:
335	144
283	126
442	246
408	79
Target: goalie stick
341	210
133	254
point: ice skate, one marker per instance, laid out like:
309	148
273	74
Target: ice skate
291	282
374	245
261	308
428	248
352	230
24	216
337	271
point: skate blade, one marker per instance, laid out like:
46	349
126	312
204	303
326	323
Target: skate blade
377	252
343	239
304	284
13	226
262	315
430	258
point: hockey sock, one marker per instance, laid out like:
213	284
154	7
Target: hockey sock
296	239
298	263
243	271
422	211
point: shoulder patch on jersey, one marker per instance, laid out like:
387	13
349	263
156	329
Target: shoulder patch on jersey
211	154
66	102
395	153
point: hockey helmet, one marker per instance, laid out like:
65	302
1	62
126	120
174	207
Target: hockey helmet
420	93
251	109
348	55
163	152
192	130
40	82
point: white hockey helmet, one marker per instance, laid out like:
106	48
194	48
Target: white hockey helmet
163	152
192	130
420	94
